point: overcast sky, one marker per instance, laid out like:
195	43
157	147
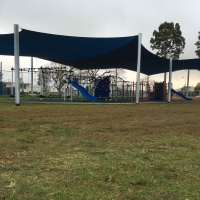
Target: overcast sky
104	18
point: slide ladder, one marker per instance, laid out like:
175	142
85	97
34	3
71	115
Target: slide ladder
83	91
181	95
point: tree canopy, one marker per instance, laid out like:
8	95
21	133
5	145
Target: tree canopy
197	87
168	40
198	46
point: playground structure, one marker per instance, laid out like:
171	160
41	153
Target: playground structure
101	53
106	87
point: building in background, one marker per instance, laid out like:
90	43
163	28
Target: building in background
25	88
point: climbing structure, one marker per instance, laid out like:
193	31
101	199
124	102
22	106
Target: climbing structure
102	90
160	91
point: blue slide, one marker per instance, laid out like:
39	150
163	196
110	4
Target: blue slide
181	95
83	91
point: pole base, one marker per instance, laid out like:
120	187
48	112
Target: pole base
17	104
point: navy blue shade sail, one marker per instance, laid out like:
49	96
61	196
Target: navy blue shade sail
91	53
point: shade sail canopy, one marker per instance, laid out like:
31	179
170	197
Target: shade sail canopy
90	53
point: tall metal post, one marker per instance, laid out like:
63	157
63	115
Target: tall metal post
41	84
165	77
22	82
87	82
31	77
138	68
65	87
79	83
16	55
116	85
12	83
71	78
1	72
170	80
1	77
188	79
148	79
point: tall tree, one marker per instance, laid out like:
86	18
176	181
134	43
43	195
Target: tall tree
168	40
198	46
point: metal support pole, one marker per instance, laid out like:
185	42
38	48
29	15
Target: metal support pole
22	83
123	90
1	77
170	80
12	83
116	86
165	77
41	84
65	87
188	79
71	78
87	83
1	72
138	68
79	83
16	57
31	77
148	79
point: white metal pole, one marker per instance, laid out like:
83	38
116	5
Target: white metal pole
31	77
12	83
116	85
1	89
138	68
148	79
22	83
1	72
170	80
71	78
65	88
16	55
165	77
41	84
79	83
87	82
188	79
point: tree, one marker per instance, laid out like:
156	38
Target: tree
197	87
146	79
94	73
120	72
150	83
58	75
198	46
168	40
46	77
184	88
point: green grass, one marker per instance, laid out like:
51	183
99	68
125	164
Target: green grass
60	151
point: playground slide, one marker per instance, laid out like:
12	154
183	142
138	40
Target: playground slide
83	91
181	95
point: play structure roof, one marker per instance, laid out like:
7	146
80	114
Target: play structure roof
91	53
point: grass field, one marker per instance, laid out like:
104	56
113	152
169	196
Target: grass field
66	151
